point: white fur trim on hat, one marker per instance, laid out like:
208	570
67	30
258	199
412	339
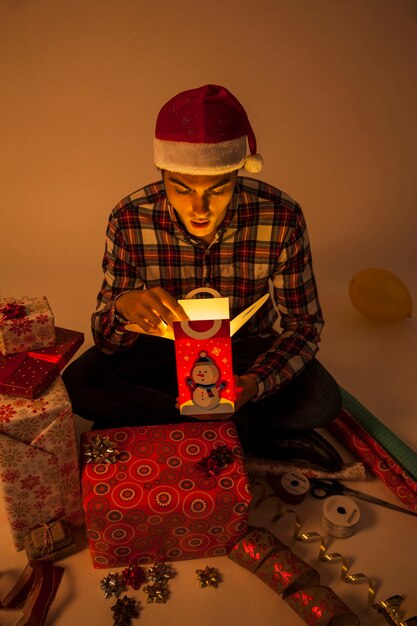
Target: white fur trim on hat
200	158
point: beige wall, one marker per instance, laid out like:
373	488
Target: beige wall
329	85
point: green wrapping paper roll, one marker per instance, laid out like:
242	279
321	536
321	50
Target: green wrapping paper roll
283	571
402	453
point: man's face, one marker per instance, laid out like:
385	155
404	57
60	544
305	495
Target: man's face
200	201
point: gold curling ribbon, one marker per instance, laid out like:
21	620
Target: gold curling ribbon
390	608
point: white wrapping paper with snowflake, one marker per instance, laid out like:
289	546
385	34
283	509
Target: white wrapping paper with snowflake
26	323
39	471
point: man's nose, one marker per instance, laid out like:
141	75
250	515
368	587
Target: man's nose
201	205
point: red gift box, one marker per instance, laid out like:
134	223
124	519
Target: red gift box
28	374
161	499
25	376
67	343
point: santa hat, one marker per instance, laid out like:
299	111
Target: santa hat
204	131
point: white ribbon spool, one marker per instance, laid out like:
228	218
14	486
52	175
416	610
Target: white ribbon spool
340	516
294	486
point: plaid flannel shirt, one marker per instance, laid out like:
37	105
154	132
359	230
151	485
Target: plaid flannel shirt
262	245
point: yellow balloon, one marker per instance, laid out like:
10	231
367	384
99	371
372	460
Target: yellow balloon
380	295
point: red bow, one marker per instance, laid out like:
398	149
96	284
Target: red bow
12	311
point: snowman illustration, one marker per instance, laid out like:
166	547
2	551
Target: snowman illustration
204	382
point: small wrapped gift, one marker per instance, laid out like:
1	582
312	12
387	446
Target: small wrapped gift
25	376
50	542
39	472
28	374
25	324
66	345
148	497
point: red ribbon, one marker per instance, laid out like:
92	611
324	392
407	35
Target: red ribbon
216	461
12	311
51	358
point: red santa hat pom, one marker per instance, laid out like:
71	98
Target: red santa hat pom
205	131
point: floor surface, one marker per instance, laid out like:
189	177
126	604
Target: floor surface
377	364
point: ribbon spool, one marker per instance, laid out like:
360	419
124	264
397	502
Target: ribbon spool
340	516
293	487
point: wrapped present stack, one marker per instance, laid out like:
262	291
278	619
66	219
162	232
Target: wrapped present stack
39	470
170	492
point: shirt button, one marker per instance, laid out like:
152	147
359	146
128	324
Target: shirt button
207	284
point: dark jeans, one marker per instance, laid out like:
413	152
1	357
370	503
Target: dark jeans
138	386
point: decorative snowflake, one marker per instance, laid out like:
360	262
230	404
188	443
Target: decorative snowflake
11	457
30	481
43	492
21	327
42	319
9	476
45	332
6	412
20	509
38	406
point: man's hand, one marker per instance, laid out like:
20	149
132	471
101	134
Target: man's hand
246	388
150	308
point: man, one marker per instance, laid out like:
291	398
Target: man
202	225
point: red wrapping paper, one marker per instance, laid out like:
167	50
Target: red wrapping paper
29	378
28	374
155	503
374	457
379	450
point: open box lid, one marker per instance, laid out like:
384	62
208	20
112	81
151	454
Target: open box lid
216	308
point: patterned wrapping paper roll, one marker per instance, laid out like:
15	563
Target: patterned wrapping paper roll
341	429
276	565
379	450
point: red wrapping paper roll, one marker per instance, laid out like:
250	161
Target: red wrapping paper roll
378	449
341	427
